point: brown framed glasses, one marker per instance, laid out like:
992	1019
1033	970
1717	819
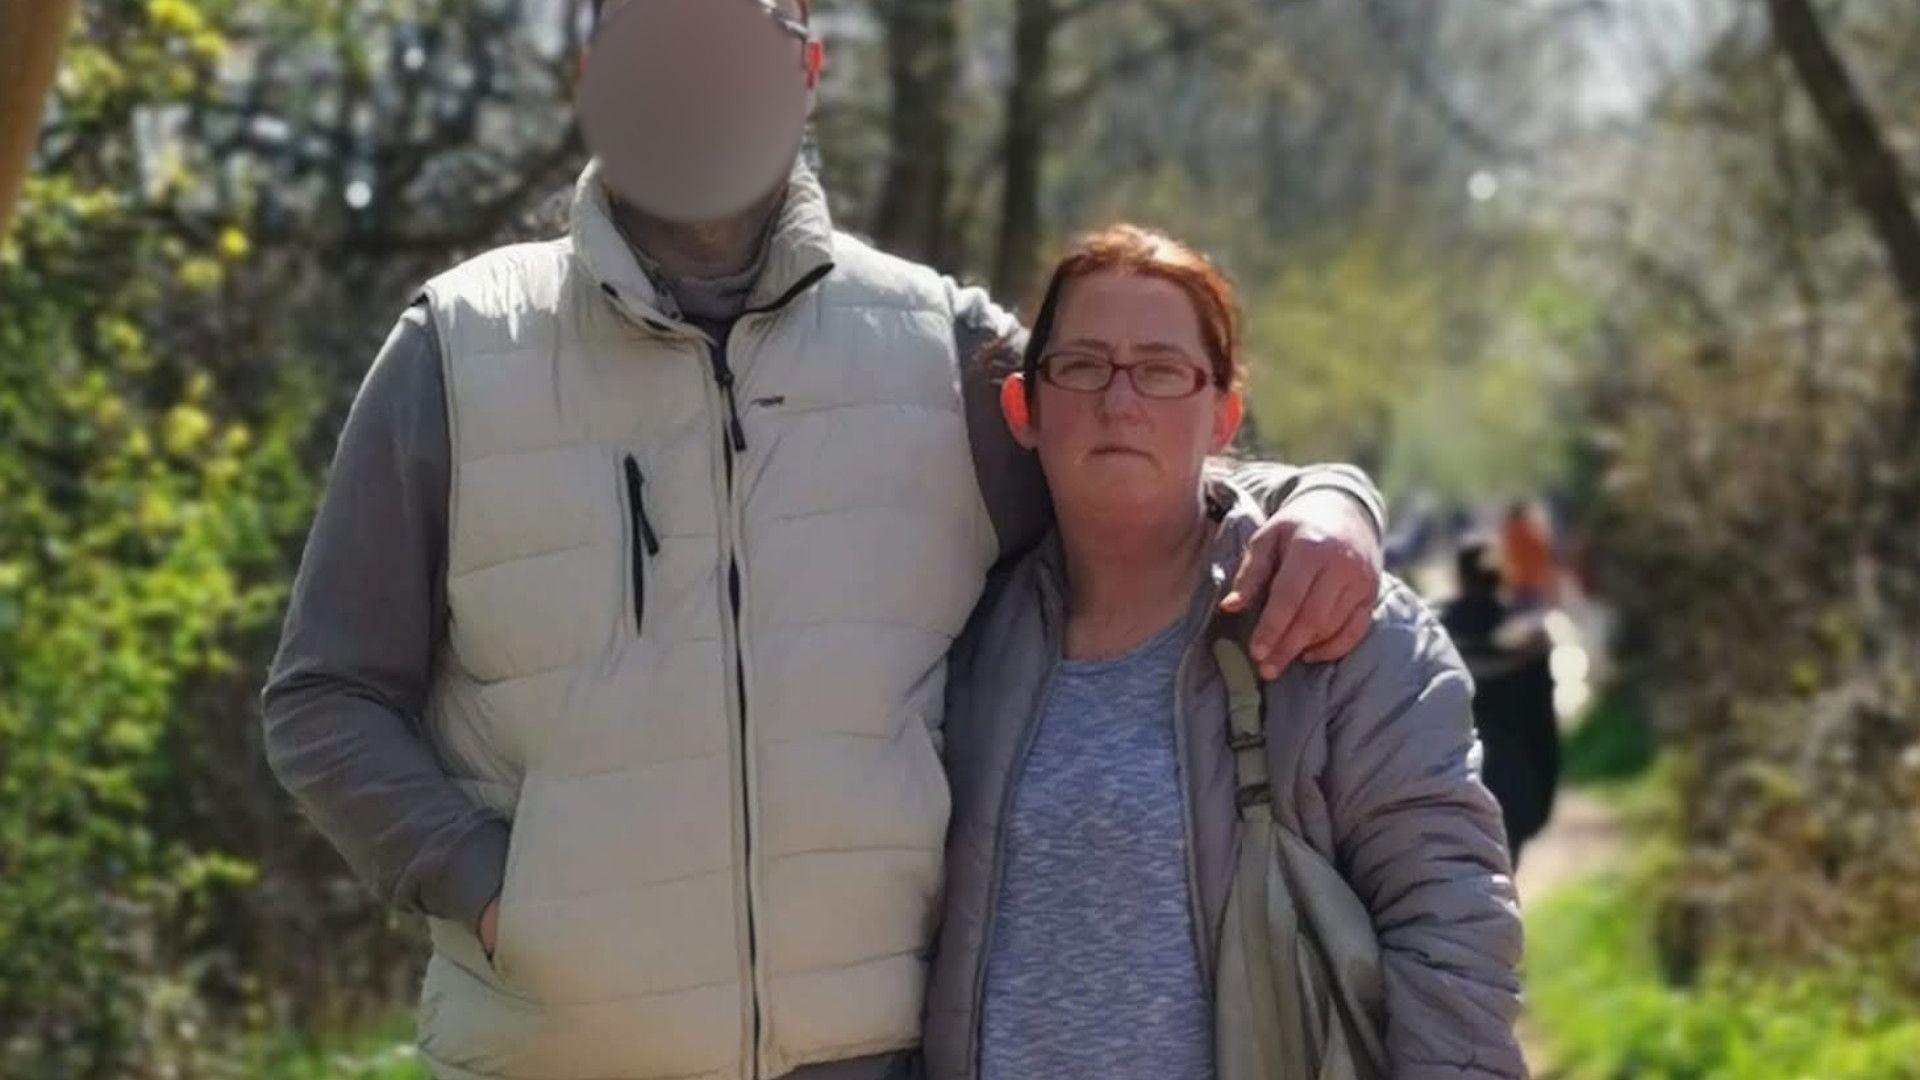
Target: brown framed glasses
1163	378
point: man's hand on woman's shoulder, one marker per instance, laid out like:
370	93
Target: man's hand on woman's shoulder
1317	562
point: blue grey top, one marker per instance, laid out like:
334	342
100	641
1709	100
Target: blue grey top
1092	970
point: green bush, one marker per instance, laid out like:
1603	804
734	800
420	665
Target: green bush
144	520
141	539
386	1052
1775	647
1597	996
1750	501
1613	742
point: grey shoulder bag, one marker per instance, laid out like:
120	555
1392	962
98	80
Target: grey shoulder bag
1298	993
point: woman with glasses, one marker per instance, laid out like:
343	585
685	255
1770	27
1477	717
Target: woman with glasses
1096	812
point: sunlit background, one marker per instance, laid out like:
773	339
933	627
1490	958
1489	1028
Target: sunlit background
1646	269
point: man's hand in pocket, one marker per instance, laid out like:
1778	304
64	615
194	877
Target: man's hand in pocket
489	925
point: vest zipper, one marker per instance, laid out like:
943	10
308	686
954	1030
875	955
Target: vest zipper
732	443
723	373
736	435
746	789
644	542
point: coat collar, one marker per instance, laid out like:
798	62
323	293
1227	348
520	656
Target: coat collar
800	246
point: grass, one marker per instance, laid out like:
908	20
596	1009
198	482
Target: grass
1605	1013
1613	742
1598	999
385	1053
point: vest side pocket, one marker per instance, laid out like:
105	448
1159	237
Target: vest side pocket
508	896
642	543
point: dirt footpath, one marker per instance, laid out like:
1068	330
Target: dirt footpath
1583	838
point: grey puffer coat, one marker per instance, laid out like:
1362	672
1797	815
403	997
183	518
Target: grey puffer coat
1374	763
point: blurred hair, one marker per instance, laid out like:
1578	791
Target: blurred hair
1477	564
1135	251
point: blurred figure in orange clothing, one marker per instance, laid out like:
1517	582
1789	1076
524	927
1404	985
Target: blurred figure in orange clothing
1526	553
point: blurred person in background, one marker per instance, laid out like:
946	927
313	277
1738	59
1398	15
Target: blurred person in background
1508	653
1527	553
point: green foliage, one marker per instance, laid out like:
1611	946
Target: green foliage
385	1052
142	536
1757	513
1755	618
186	291
1342	340
1441	373
1614	741
1597	995
142	541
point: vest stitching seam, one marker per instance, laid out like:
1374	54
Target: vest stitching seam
465	1071
916	406
612	891
678	879
861	962
510	559
870	848
803	515
687	433
894	624
568	778
619	998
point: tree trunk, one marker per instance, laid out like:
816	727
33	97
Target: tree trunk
1874	175
1015	261
1866	162
923	46
30	34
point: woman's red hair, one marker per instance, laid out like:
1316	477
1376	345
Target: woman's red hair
1131	249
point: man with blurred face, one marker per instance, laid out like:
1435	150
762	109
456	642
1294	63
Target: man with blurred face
619	644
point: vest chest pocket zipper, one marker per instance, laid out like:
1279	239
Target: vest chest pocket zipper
642	543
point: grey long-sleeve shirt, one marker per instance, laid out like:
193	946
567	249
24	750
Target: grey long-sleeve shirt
368	614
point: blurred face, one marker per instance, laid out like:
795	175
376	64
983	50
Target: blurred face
1137	446
696	108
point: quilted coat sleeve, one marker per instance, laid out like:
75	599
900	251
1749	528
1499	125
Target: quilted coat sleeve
1419	838
1273	485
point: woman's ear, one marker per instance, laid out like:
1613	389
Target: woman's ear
1228	411
1018	410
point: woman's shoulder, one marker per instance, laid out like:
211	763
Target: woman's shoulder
1405	646
1406	637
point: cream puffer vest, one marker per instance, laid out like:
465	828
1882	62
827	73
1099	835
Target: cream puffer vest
728	804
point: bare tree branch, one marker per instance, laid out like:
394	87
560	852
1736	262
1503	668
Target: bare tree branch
1871	171
1413	67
